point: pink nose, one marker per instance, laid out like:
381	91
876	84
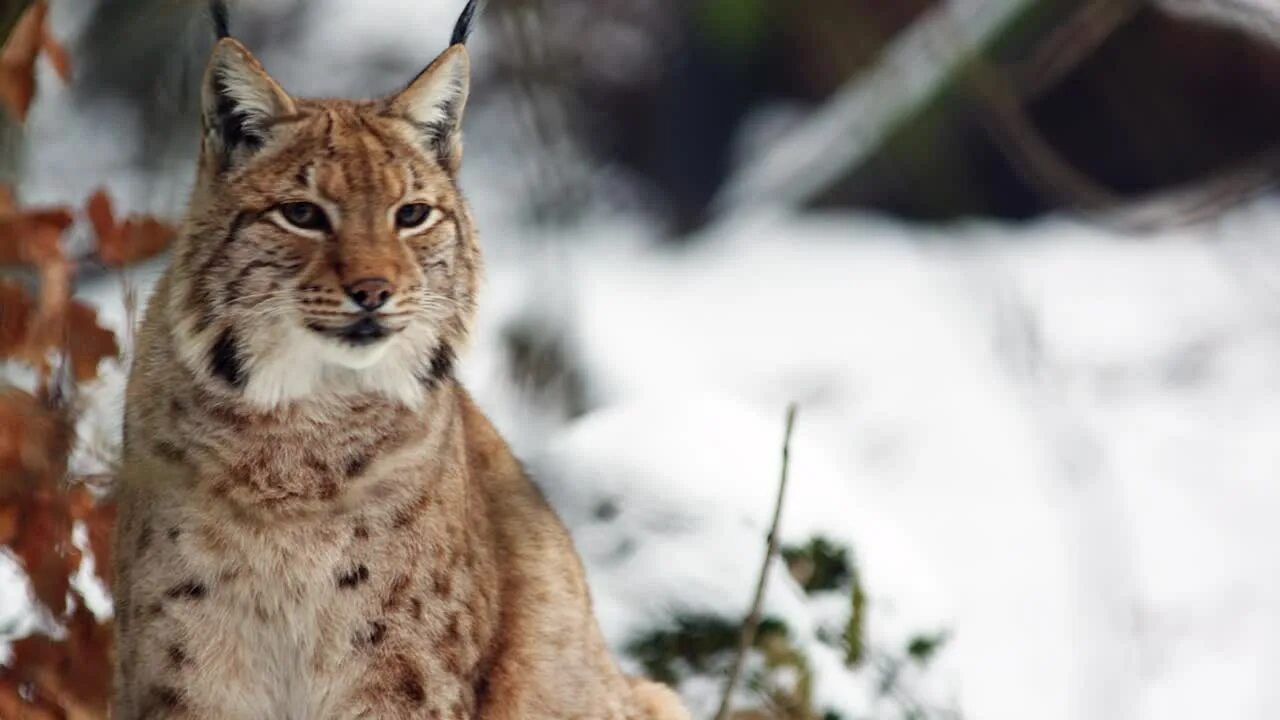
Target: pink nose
370	293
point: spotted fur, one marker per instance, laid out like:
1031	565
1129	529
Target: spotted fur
316	521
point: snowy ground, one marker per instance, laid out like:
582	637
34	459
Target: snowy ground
1051	441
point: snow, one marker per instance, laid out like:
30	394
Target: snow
1051	441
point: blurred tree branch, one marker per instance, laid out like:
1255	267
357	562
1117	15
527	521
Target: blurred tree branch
1071	43
947	43
10	11
1041	166
843	133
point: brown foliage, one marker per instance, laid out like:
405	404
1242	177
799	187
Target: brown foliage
121	243
72	675
33	238
68	678
18	56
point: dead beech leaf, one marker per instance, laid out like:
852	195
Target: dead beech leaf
34	443
88	343
18	60
32	237
13	706
140	238
57	55
8	202
101	215
44	547
15	313
98	516
88	679
8	522
74	674
134	239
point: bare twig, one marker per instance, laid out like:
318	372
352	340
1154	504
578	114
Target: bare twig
1071	43
752	621
1043	168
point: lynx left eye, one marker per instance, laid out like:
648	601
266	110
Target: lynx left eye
304	215
412	215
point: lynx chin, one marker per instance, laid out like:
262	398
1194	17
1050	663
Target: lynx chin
316	522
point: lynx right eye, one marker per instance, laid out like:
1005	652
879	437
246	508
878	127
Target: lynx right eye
304	216
412	215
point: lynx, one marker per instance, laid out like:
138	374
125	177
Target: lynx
316	521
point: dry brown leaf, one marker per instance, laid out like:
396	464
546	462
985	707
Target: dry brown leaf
32	237
101	214
34	443
121	243
48	328
15	314
58	56
18	60
88	343
73	674
140	238
8	522
98	516
13	706
8	201
90	669
44	547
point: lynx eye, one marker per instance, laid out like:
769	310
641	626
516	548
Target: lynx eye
304	215
412	215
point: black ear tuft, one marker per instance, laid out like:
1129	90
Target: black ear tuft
221	18
466	22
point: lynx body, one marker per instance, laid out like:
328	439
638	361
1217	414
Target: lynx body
316	521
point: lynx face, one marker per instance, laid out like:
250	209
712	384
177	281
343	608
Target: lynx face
328	250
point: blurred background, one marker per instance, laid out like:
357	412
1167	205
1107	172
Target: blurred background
1014	260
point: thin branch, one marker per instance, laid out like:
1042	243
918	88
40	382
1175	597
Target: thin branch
752	622
1044	169
855	122
1031	156
1071	43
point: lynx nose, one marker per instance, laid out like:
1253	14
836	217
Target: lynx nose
370	293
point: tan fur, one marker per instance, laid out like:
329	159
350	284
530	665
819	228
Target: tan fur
309	530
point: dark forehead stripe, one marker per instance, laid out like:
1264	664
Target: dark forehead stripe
388	144
303	176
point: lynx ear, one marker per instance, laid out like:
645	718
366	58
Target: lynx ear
241	102
434	102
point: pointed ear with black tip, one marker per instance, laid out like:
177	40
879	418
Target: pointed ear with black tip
434	102
240	104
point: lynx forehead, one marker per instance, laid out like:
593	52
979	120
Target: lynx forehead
342	257
315	521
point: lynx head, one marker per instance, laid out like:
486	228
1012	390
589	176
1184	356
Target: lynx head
328	249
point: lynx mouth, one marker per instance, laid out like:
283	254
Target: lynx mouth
368	330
